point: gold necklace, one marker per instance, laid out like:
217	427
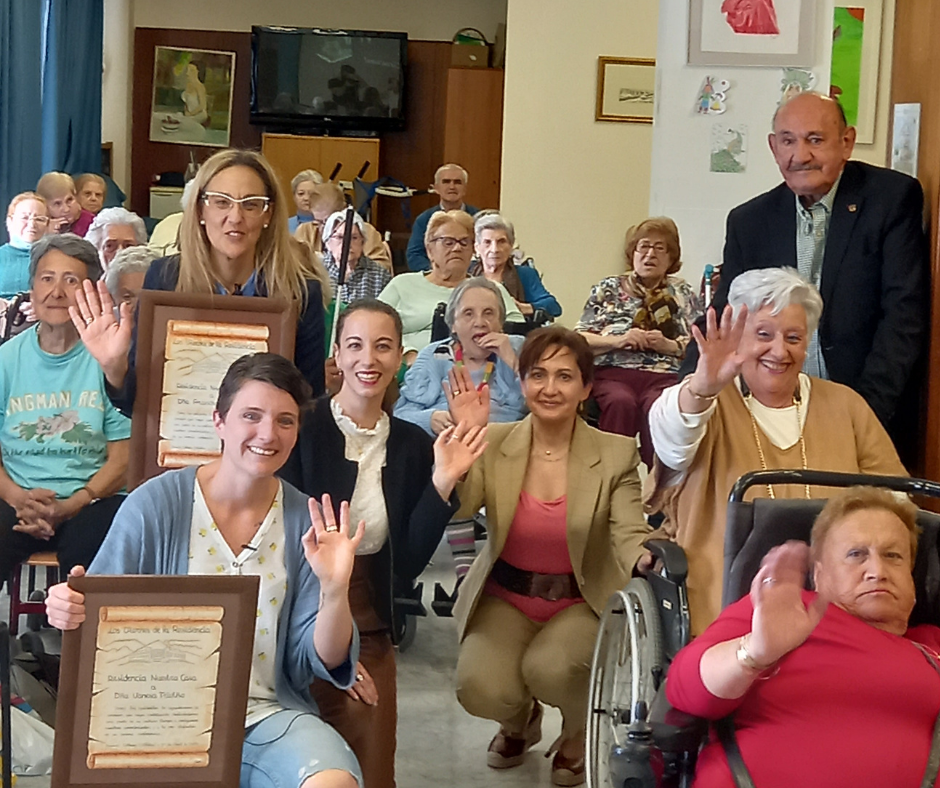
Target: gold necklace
760	449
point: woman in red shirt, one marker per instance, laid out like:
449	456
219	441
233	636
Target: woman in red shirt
564	531
828	688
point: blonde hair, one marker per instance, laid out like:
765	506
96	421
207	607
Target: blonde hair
55	184
23	197
856	499
661	225
314	261
278	262
303	176
441	218
89	176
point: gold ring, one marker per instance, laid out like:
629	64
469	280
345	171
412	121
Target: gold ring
332	529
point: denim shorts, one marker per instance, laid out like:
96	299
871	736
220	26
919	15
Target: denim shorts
286	748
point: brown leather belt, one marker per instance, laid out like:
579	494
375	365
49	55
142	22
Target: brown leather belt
535	584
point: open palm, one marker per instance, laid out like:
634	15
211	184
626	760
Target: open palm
107	339
466	403
328	547
457	448
718	360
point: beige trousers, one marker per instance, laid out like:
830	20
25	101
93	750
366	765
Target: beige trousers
507	659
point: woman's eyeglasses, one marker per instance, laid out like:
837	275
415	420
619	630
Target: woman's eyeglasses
223	203
645	246
42	221
449	243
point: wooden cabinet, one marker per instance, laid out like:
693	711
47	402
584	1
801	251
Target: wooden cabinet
473	130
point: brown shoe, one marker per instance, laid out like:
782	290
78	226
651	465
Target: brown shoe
506	751
567	772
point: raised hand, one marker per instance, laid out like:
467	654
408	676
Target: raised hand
108	340
718	360
781	622
498	343
466	404
328	547
455	451
65	606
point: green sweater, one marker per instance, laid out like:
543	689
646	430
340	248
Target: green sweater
14	270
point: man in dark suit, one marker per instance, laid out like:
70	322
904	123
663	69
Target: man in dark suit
856	231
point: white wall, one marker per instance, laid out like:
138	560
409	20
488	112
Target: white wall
572	185
682	185
435	20
877	152
116	87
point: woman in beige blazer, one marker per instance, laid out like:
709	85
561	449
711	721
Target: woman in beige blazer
565	530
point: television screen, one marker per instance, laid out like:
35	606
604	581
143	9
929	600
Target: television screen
339	79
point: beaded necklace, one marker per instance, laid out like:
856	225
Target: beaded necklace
487	370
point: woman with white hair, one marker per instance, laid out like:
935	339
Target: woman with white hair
748	407
125	275
114	229
494	239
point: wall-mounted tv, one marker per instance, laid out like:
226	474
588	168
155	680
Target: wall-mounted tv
309	79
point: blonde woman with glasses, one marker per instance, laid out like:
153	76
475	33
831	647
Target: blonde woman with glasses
27	222
233	241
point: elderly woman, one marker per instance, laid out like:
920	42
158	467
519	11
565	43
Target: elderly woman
234	241
91	190
494	240
364	277
402	487
416	295
64	448
748	407
125	275
27	221
66	214
233	516
565	530
851	694
638	326
115	229
303	186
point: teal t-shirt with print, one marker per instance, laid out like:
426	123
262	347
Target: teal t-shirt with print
58	420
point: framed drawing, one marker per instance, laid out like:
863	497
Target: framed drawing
185	344
751	32
625	89
192	96
856	45
153	686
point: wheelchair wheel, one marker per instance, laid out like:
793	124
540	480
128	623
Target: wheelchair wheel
627	668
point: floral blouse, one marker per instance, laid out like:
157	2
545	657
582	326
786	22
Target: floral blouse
610	310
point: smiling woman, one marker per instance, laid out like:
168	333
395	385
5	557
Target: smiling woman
748	406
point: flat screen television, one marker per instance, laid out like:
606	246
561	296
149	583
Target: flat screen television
309	79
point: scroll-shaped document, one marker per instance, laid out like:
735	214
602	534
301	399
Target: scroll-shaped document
198	354
154	688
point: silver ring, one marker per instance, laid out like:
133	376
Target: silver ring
769	580
331	529
89	321
360	677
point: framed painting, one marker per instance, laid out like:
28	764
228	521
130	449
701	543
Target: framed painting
192	96
625	89
856	45
751	32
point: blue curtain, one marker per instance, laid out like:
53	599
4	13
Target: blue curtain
71	88
20	99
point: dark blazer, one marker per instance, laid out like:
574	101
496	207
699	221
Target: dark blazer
164	273
417	514
875	281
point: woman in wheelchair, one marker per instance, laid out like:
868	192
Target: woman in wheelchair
829	688
565	530
749	407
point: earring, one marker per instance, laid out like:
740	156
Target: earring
266	227
202	222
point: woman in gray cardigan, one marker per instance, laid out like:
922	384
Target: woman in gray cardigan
230	517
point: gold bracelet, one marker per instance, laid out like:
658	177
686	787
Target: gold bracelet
687	384
745	659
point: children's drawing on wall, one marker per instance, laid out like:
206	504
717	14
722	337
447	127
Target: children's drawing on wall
712	96
905	138
794	82
751	17
848	29
728	148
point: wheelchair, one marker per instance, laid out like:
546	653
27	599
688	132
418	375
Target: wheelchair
634	738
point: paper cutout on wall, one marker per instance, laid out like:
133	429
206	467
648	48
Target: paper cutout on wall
751	17
794	82
712	96
728	148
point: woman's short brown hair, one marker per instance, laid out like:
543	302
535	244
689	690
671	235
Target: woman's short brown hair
441	218
549	341
856	499
661	225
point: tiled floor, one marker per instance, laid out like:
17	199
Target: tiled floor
439	744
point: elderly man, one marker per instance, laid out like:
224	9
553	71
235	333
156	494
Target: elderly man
92	191
856	231
450	184
115	229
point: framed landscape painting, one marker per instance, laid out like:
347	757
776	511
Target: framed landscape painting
625	89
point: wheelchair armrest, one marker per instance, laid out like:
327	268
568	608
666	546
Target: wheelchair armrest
675	564
408	601
673	730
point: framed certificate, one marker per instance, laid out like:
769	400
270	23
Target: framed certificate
185	344
153	686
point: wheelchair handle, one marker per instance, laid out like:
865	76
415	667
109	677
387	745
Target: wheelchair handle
832	479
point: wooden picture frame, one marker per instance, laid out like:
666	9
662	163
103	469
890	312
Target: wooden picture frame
752	33
78	758
625	89
159	311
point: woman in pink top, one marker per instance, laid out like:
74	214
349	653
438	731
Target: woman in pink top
564	531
